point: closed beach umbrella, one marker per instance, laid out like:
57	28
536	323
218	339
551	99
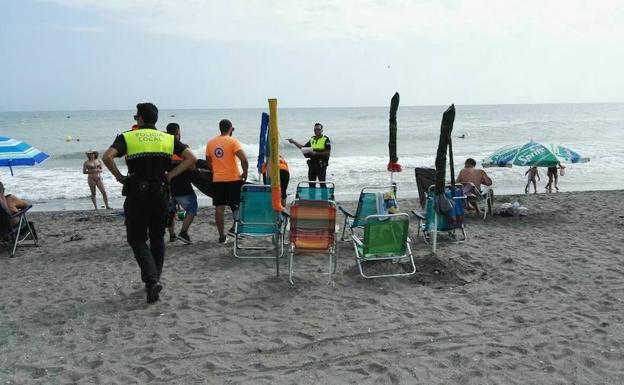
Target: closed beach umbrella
393	166
273	157
448	118
441	204
16	153
264	126
533	154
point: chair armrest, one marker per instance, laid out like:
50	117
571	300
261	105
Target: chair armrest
21	211
419	215
345	212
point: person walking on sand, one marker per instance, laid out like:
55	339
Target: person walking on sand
318	157
222	153
93	168
182	194
531	174
553	176
146	188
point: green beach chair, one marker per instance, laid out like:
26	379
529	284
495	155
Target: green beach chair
257	219
313	231
431	224
368	204
385	239
304	191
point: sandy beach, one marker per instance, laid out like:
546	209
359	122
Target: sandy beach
525	300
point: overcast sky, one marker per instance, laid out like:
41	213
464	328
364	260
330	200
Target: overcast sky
109	54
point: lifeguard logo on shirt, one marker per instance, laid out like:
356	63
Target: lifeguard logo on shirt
218	152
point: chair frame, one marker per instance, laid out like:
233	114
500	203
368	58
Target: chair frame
331	251
14	232
482	198
277	235
357	243
351	218
428	235
328	185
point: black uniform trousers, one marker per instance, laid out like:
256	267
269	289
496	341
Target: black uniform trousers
146	216
317	170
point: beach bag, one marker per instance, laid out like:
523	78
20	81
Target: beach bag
562	171
386	203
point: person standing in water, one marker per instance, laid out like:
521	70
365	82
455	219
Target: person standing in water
92	167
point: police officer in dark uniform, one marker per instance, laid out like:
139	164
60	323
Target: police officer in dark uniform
146	188
318	159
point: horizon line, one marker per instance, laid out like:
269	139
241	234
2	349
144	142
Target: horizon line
315	107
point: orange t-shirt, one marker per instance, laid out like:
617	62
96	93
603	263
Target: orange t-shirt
282	165
221	150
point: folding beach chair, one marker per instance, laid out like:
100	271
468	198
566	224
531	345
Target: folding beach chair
425	178
385	239
368	204
14	234
258	219
432	223
304	191
313	231
484	199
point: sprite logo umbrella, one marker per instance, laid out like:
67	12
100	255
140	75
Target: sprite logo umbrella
533	154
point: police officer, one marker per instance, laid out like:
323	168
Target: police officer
318	158
148	155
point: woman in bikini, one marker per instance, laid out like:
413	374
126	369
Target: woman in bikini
93	168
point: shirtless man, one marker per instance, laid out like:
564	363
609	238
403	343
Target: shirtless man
469	174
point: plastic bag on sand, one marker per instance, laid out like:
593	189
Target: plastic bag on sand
511	210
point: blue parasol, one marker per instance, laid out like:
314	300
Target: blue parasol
17	153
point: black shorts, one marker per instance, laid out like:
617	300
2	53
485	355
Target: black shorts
284	179
226	193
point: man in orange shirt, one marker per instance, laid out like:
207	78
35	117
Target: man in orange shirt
221	154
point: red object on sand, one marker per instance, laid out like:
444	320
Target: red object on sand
394	167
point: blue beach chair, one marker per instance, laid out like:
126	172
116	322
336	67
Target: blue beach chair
305	192
257	219
368	204
432	223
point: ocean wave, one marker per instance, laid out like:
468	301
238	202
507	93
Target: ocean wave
350	173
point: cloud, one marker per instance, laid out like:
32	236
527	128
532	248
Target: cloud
367	20
77	28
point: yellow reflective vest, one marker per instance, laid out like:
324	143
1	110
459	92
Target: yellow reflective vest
318	144
148	142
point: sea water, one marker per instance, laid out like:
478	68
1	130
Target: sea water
359	138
